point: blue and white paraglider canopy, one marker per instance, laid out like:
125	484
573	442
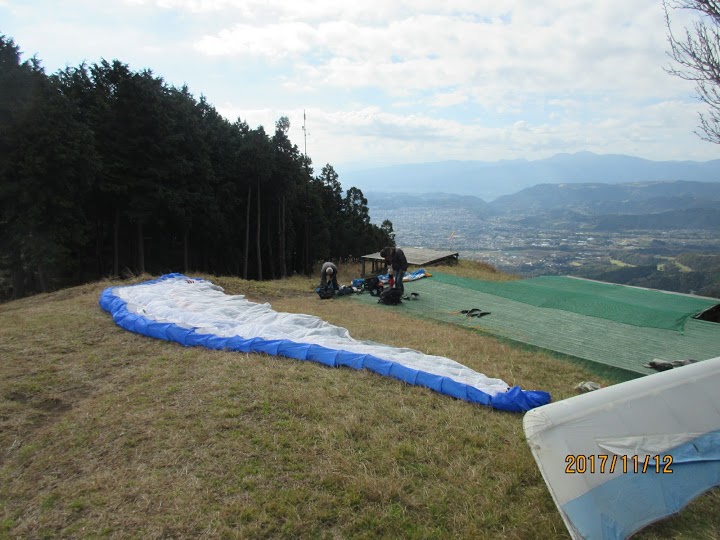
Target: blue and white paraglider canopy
195	312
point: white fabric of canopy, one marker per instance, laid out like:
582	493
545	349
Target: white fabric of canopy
203	306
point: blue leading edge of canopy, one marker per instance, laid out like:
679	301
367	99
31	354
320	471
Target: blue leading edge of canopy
514	400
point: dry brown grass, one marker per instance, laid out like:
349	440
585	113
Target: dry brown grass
104	433
475	270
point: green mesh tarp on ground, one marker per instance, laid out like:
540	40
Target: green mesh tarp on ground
629	305
613	349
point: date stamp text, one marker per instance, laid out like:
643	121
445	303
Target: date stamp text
603	463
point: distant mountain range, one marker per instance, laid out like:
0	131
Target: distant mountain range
489	180
596	199
636	205
389	201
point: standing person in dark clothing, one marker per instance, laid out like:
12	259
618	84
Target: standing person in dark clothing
328	275
395	257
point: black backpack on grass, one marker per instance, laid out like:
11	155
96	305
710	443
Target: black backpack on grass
374	285
325	292
391	297
345	290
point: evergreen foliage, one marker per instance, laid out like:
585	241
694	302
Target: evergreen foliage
107	171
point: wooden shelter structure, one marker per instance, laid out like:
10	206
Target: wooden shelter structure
415	257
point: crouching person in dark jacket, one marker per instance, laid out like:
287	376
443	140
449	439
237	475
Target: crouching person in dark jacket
328	276
395	257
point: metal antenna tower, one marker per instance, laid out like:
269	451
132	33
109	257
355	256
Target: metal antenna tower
306	255
305	137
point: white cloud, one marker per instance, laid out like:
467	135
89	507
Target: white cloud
448	99
273	41
345	136
587	48
319	10
253	117
410	80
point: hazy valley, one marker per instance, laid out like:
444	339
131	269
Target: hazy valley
490	180
655	234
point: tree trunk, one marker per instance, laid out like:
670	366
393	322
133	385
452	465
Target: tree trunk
99	242
42	279
116	246
247	234
186	251
283	239
18	283
271	259
141	248
307	246
257	236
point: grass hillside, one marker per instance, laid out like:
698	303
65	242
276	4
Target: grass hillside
105	433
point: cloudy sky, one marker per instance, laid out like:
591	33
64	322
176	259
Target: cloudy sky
399	81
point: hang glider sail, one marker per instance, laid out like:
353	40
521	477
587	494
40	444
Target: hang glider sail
622	457
195	312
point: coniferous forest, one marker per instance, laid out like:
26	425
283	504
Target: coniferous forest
107	172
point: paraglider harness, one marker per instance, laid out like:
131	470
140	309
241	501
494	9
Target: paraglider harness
325	292
394	296
374	285
345	290
391	297
329	292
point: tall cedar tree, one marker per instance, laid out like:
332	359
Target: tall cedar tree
105	171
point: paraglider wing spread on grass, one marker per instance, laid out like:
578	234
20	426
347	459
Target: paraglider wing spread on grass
195	312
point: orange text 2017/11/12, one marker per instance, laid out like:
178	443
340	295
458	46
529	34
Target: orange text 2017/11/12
604	463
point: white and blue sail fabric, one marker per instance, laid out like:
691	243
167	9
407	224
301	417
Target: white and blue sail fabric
622	457
409	276
195	312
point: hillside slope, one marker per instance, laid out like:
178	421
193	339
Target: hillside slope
107	433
